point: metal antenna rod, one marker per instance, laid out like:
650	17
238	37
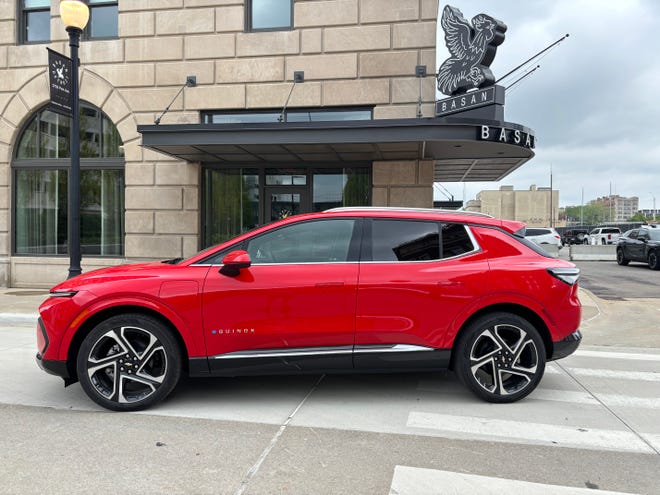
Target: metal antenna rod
533	57
529	73
191	82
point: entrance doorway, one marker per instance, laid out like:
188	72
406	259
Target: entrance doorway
284	201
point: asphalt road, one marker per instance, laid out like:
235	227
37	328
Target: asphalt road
610	281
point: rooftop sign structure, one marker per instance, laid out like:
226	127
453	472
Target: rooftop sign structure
472	48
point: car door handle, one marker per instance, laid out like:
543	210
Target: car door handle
329	284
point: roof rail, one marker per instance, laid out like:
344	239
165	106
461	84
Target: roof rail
412	210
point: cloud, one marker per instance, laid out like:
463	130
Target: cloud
592	103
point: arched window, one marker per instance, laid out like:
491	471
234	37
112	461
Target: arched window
40	171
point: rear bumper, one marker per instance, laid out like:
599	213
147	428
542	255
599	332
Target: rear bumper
566	346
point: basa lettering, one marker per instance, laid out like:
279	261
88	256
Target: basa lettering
504	135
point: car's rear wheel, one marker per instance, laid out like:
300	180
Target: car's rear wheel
620	258
585	241
654	262
500	357
129	362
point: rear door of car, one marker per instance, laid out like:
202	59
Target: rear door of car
415	276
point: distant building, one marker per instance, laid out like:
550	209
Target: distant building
531	206
620	208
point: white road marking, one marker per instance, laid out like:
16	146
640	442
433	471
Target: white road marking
527	432
419	481
645	376
610	400
617	355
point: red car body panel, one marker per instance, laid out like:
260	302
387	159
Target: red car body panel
280	306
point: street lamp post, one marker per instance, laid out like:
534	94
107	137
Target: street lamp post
75	15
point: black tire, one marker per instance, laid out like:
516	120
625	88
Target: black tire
500	357
620	258
654	262
602	241
585	241
129	362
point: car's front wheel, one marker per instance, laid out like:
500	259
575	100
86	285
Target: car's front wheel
620	258
500	357
128	362
654	262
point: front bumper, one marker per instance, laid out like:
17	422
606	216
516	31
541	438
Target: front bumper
54	367
566	346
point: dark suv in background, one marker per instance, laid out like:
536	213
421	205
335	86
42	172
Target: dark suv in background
642	244
575	236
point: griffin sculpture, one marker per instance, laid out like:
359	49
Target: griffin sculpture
472	49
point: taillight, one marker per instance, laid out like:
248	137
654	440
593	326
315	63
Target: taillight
567	275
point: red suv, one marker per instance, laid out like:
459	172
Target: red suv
351	289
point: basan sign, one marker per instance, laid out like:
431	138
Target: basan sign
468	101
506	135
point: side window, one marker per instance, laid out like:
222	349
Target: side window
34	21
321	241
455	240
633	234
404	240
268	15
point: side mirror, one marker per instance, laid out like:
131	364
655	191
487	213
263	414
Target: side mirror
234	262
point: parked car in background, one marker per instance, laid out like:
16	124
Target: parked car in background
543	236
642	244
346	290
604	235
575	236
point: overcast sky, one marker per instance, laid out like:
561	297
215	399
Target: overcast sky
594	104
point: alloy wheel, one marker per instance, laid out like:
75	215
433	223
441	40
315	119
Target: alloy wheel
504	359
127	364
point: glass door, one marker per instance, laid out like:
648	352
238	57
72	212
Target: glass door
282	202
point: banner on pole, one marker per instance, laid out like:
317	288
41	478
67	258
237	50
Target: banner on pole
59	77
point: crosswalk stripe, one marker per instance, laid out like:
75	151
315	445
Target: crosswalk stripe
611	400
645	376
617	355
421	481
538	433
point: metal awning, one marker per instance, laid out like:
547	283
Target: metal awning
453	144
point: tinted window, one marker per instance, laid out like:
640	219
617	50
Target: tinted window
611	231
268	14
103	19
402	240
35	21
455	240
320	241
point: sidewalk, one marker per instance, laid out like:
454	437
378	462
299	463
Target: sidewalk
627	323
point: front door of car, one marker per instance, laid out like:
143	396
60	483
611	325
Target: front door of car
415	277
293	308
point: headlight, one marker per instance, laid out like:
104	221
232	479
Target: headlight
67	293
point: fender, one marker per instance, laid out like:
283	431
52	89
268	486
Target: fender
193	340
493	299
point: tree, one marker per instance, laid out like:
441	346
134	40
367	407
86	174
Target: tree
589	214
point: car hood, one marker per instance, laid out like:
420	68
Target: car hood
114	274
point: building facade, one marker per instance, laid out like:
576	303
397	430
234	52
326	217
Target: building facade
617	208
271	111
533	206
